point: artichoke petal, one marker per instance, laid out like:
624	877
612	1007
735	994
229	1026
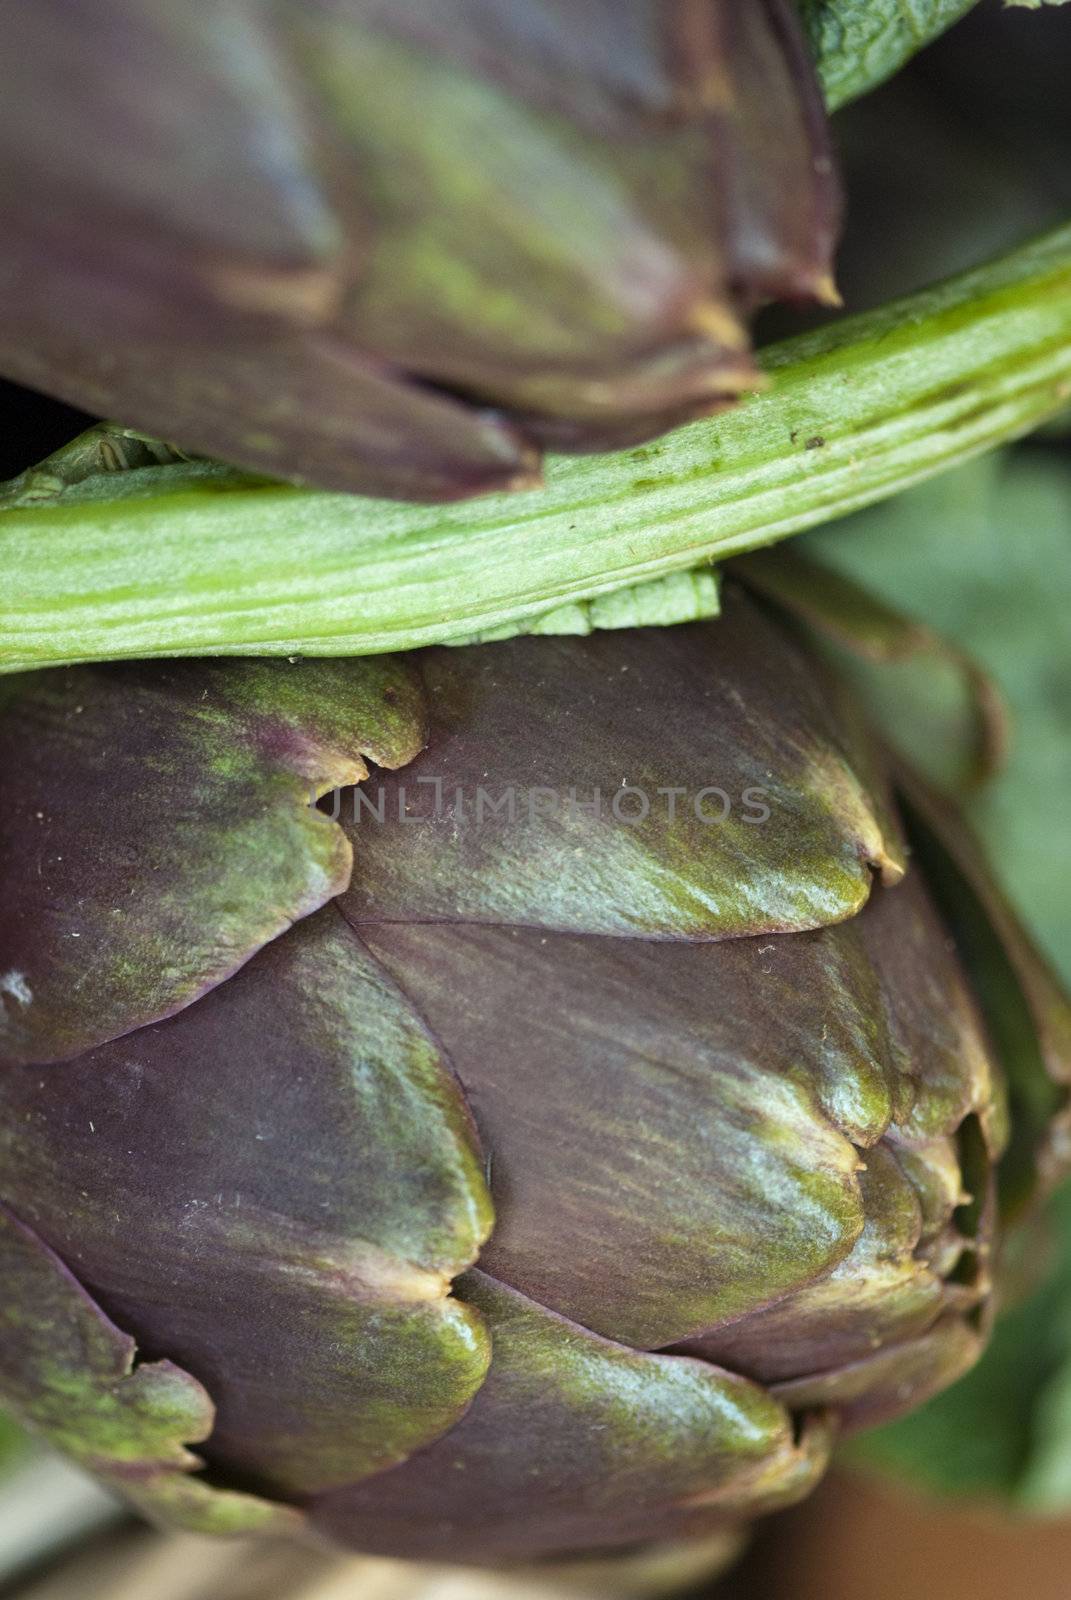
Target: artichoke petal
225	81
923	1251
634	314
574	1441
309	406
782	238
157	829
687	1116
275	1188
531	256
1026	1009
938	1036
878	1295
693	782
933	1167
896	1379
69	1373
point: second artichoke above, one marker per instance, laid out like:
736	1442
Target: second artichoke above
396	247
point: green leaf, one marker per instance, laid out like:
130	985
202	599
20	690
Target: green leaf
184	558
859	43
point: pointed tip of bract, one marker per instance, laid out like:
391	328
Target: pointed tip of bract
825	291
889	864
716	320
530	476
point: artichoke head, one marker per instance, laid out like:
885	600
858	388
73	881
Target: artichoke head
547	1142
393	247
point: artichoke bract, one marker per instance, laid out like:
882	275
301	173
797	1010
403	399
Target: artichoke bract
548	1141
394	247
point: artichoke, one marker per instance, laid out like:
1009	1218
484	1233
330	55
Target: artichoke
549	1141
396	248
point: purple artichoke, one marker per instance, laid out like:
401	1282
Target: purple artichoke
395	247
550	1142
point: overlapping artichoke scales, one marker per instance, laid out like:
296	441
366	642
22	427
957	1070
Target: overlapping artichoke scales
725	1087
394	248
274	1188
71	1372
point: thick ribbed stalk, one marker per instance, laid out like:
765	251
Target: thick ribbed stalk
179	558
